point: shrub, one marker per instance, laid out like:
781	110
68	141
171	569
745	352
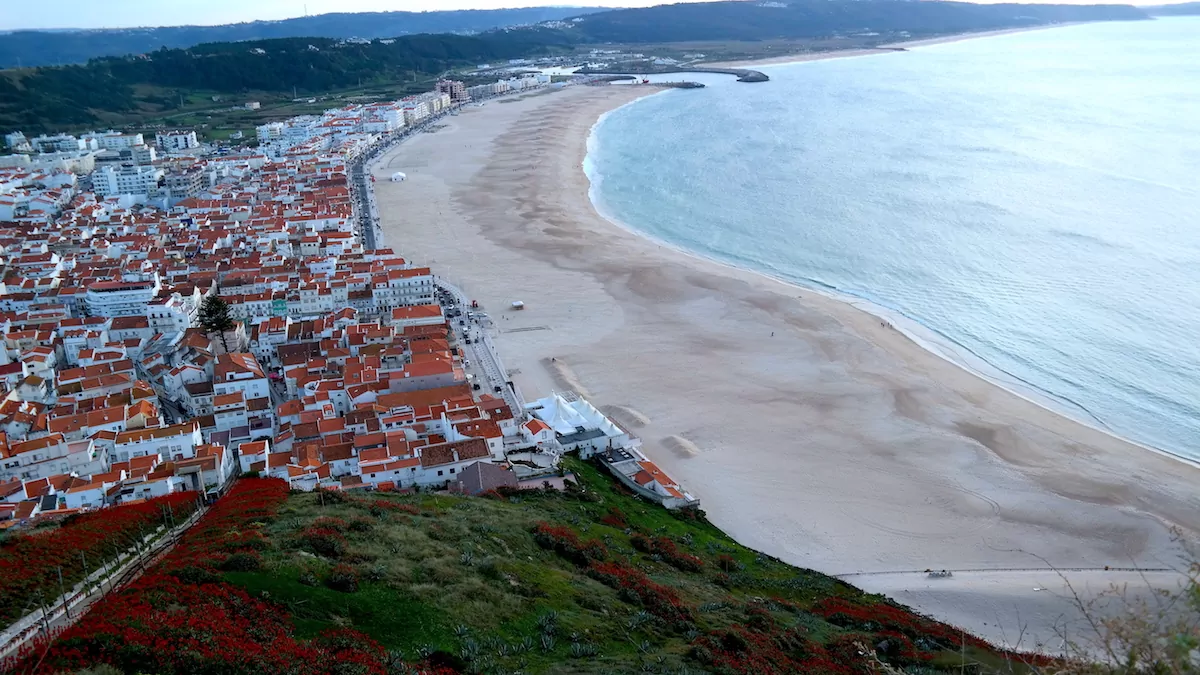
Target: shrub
343	578
659	600
195	575
324	541
360	524
728	563
883	617
564	542
666	549
243	561
615	518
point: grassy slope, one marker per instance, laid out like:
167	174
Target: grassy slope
465	576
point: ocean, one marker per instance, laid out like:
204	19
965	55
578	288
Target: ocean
1031	201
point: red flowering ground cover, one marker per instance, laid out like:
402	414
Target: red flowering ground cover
615	518
738	649
659	600
564	541
666	549
180	618
882	617
908	636
29	564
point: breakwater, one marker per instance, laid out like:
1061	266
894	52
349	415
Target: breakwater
741	74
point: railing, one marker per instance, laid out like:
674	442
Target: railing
29	626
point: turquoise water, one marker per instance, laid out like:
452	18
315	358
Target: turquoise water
1033	198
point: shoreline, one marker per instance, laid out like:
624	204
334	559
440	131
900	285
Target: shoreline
890	47
934	342
839	445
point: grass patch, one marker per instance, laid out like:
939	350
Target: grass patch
600	588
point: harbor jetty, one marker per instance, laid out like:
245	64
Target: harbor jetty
742	74
609	79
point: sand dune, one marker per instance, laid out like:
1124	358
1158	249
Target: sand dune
680	446
564	378
627	417
838	444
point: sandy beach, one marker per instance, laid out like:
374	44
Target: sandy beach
809	430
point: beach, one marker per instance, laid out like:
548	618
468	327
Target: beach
809	428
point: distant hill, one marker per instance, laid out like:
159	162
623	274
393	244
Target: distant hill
1182	9
40	99
120	89
43	48
819	18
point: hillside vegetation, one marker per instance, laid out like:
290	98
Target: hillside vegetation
130	89
31	48
44	98
588	581
818	18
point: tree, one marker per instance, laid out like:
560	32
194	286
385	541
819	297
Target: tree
214	318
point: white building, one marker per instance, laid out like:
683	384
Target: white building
51	456
270	133
60	143
578	425
113	140
173	443
173	314
121	298
126	180
240	372
16	142
176	141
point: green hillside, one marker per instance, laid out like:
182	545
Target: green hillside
588	581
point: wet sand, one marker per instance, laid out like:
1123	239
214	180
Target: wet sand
837	443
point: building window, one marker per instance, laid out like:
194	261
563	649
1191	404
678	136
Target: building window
451	470
439	472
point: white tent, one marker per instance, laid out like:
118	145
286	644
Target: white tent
398	177
560	415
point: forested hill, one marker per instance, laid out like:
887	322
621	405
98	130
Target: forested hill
1182	9
41	48
819	18
112	90
51	97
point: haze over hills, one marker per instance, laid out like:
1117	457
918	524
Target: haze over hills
114	90
60	47
819	18
1181	9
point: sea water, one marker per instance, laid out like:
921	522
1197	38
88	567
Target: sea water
1032	198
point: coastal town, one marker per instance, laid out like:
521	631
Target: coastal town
334	362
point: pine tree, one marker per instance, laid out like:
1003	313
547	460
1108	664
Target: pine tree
214	318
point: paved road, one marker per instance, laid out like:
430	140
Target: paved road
485	360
